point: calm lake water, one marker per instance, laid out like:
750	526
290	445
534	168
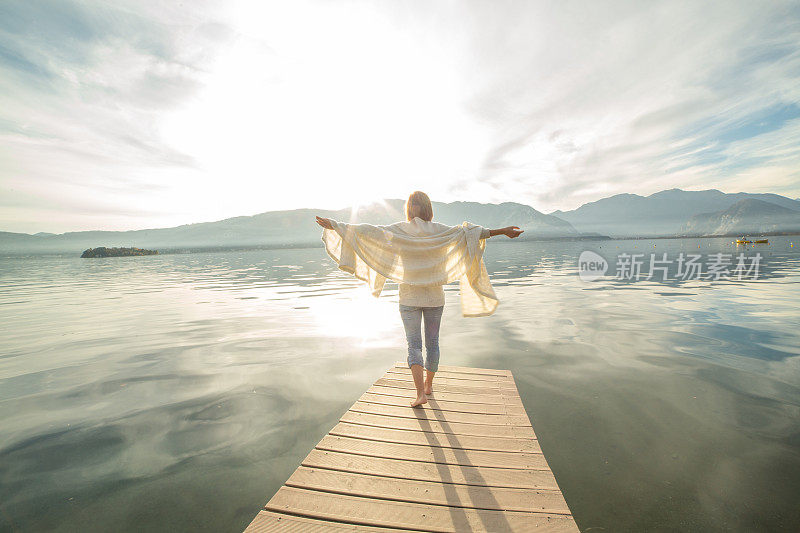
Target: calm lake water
178	392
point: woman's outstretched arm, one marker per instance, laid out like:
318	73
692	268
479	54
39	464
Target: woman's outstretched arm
510	232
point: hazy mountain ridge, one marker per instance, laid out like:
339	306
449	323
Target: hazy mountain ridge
286	228
745	217
664	213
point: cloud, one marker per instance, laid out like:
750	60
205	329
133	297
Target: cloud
83	85
639	98
193	112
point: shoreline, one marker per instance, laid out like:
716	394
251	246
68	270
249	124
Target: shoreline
310	245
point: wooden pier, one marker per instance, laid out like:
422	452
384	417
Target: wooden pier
468	460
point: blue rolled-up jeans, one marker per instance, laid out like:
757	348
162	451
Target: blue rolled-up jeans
412	318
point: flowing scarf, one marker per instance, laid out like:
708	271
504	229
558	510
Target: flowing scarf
376	253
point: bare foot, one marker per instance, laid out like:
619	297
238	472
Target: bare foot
420	400
428	390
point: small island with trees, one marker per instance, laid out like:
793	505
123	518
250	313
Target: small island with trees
102	251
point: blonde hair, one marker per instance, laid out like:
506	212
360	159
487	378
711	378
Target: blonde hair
419	205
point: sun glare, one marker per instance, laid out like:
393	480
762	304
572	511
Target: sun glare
299	125
358	315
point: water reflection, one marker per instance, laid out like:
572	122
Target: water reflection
180	391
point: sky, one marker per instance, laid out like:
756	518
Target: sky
139	114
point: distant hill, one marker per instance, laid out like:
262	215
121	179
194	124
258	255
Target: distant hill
745	217
102	251
285	228
663	213
666	213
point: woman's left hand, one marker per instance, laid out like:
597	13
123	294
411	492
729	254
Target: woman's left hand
324	222
513	231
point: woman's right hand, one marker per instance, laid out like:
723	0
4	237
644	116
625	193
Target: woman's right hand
324	222
512	231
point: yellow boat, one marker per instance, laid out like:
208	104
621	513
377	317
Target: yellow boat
743	241
762	241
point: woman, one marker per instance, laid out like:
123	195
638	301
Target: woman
421	256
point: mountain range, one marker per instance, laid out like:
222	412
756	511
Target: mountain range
285	228
672	212
748	216
667	213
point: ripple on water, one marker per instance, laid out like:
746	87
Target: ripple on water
186	389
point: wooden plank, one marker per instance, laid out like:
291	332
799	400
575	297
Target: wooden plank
490	399
440	416
389	380
367	511
451	385
410	392
455	379
404	373
443	473
270	522
441	440
465	378
463	369
402	397
478	430
456	389
428	492
431	454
